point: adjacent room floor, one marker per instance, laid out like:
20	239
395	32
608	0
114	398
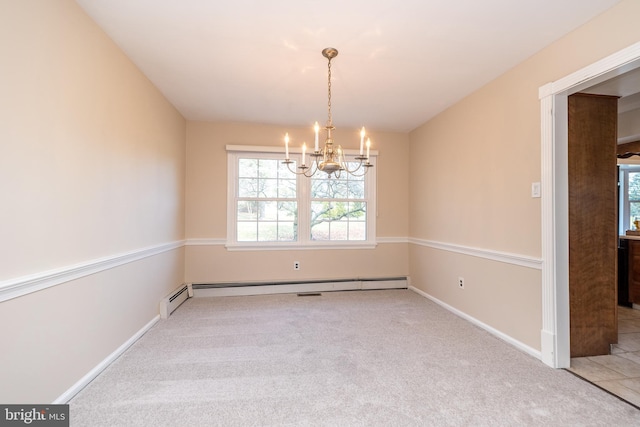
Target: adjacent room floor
619	372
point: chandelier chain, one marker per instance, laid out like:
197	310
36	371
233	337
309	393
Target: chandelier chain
330	122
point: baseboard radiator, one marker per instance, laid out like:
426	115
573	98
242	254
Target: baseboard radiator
262	288
174	299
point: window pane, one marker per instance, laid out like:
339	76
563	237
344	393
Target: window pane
268	211
634	198
357	230
320	231
268	168
269	188
286	231
247	168
287	188
321	211
339	188
318	188
356	189
267	231
247	210
339	230
634	185
247	187
287	211
284	171
358	210
634	210
247	231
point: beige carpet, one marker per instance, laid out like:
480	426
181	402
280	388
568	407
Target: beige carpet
363	358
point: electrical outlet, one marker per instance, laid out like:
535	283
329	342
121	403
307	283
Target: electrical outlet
296	265
461	282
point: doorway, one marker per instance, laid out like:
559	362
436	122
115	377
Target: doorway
555	336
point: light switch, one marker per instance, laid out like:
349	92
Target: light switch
535	189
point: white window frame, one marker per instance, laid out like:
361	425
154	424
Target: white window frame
625	205
303	187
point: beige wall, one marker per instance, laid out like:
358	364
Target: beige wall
207	209
54	337
500	296
471	173
92	166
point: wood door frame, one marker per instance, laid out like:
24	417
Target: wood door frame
554	336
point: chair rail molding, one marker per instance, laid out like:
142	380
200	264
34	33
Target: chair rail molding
14	288
508	258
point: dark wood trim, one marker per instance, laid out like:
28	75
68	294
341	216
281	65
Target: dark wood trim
629	147
593	221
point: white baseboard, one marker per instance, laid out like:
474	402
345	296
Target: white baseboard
514	342
548	353
91	375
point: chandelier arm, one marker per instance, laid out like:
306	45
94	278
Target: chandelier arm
351	171
307	171
362	165
311	170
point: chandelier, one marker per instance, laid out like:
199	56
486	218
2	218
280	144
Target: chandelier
330	158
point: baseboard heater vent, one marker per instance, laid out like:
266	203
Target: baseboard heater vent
299	287
172	301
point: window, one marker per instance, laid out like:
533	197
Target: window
630	196
268	206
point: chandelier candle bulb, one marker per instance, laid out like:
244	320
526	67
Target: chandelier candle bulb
304	152
368	147
316	128
286	146
361	140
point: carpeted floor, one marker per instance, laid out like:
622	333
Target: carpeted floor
363	358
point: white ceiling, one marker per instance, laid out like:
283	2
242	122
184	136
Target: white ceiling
626	86
400	62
